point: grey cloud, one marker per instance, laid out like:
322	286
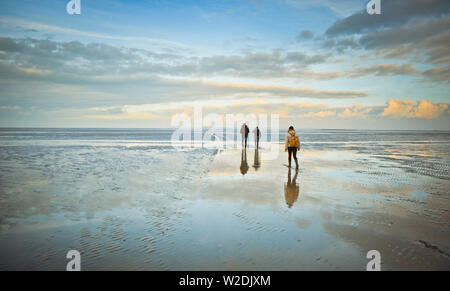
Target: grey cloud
421	41
259	61
74	56
100	65
282	91
437	48
417	30
405	35
305	35
9	45
61	74
96	59
440	74
17	23
340	44
427	39
384	70
302	74
394	13
263	65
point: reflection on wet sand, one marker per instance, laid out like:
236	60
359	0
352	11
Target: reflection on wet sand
257	160
344	204
291	189
244	165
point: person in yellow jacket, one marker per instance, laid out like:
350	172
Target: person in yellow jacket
292	145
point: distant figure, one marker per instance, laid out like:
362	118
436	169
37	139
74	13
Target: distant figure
244	165
256	160
244	133
291	189
292	145
257	134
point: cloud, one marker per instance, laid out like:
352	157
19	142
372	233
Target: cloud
285	91
402	109
320	114
415	29
165	110
424	40
35	26
408	109
437	48
340	44
384	70
427	38
305	35
263	66
305	115
12	71
340	7
10	108
356	111
440	74
96	59
393	13
129	115
76	74
284	110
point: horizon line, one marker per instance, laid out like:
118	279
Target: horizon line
174	128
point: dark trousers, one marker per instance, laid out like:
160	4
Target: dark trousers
292	151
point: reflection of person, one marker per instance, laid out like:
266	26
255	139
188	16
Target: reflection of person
256	160
244	133
244	165
291	189
257	134
292	145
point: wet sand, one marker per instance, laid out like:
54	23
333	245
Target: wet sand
231	213
347	204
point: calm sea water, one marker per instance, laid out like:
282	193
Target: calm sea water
316	135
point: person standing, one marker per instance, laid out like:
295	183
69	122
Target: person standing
292	145
257	133
244	133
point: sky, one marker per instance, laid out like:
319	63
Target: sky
315	63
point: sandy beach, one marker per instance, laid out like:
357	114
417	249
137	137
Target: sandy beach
139	206
344	208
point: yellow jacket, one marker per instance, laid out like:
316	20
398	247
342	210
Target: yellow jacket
288	135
